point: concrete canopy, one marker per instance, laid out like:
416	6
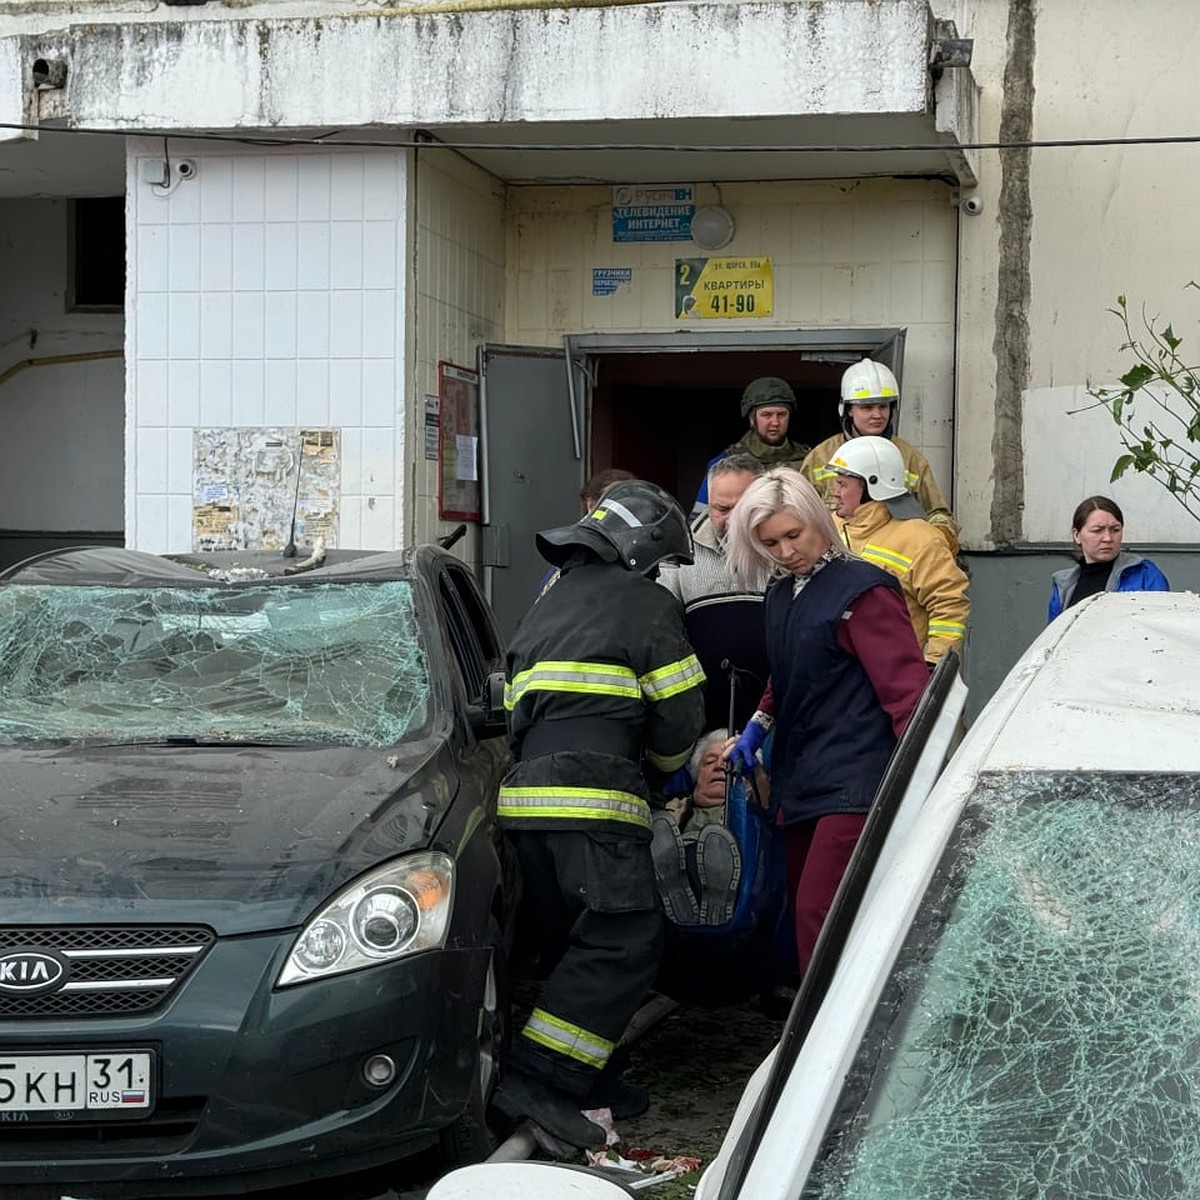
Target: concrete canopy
717	91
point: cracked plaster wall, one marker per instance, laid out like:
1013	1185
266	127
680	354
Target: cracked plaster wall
526	64
1099	222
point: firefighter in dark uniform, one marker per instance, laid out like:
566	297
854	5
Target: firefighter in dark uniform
603	690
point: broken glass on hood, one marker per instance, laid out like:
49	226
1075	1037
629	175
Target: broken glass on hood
337	663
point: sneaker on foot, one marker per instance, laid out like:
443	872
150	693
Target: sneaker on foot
719	864
670	871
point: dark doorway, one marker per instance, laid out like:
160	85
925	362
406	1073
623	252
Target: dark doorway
664	416
96	273
660	405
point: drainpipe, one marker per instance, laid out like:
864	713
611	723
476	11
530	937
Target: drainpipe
1010	344
53	360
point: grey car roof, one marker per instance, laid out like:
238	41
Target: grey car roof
114	566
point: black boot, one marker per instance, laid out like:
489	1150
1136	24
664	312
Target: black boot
524	1096
625	1100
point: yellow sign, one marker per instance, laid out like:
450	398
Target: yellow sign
724	287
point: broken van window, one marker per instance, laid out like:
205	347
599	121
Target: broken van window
1040	1033
329	663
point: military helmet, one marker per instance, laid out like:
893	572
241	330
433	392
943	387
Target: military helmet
635	523
768	390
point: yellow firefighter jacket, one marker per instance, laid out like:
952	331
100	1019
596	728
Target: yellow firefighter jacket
918	476
935	588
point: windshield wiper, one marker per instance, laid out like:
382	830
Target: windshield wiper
183	739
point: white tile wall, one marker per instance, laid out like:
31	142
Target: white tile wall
267	291
459	289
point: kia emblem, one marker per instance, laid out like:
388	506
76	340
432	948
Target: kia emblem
28	971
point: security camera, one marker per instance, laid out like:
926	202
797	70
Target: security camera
185	169
972	205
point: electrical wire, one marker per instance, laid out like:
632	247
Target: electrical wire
425	141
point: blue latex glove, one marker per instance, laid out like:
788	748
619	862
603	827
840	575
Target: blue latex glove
744	757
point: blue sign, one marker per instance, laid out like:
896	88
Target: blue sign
606	280
660	213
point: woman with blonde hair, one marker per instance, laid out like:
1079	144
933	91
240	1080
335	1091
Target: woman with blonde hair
846	674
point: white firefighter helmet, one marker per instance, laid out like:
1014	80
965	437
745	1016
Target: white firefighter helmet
877	462
868	382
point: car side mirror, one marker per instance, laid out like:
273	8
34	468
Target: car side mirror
487	718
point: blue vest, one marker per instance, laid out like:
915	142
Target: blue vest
833	738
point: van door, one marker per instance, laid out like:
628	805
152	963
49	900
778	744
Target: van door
534	447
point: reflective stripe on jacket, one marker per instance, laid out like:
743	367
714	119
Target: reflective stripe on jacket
560	802
918	475
935	587
545	1029
605	649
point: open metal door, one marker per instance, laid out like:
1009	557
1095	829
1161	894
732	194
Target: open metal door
891	354
850	345
533	466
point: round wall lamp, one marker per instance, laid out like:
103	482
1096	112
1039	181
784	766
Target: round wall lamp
712	227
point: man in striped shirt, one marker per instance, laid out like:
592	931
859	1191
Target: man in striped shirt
723	617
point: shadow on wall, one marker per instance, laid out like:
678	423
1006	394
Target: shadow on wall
1009	597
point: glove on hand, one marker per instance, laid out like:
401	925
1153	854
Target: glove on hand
744	756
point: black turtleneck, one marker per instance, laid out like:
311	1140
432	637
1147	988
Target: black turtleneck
1093	578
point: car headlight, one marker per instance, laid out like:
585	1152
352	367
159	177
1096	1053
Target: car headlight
396	910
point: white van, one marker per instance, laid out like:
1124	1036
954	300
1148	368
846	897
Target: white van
1016	1008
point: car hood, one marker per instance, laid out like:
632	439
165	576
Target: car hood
238	837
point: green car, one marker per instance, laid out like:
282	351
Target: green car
254	904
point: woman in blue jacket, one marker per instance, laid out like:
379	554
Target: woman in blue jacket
1102	565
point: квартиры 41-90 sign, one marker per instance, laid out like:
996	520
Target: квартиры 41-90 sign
723	287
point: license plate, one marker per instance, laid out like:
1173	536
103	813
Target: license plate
104	1081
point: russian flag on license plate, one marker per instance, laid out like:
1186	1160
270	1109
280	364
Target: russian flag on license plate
133	1097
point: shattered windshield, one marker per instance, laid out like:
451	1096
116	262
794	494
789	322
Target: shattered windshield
1040	1033
328	663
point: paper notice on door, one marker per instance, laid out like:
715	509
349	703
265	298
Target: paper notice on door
465	465
433	416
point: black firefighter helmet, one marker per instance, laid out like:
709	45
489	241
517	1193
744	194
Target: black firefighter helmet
635	523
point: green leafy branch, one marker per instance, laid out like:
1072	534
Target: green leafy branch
1156	408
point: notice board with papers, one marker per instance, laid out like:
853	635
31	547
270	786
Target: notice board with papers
458	443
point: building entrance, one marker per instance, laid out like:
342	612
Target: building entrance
658	405
663	417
